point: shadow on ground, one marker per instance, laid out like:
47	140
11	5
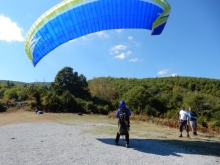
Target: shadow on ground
163	147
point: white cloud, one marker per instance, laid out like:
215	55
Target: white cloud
162	72
117	48
102	34
174	75
80	41
119	30
71	41
136	43
10	31
130	38
121	56
134	60
83	38
129	53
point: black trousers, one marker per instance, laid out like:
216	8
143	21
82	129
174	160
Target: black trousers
126	137
183	123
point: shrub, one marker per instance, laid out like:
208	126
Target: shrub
172	114
52	103
103	109
202	121
215	123
2	108
90	107
33	104
68	101
151	111
10	94
22	95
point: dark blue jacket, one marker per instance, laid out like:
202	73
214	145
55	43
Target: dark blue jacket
128	112
192	116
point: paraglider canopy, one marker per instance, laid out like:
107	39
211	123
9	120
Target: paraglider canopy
71	19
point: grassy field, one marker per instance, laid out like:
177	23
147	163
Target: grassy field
203	143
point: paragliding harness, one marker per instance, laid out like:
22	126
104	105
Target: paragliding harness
123	122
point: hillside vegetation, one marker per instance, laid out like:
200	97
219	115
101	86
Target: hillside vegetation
150	99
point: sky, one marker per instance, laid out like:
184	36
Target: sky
188	46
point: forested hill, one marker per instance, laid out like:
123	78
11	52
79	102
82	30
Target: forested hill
12	83
160	94
163	97
165	85
157	97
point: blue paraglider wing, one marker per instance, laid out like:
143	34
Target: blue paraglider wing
71	19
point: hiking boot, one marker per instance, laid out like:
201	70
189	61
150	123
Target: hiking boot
181	135
194	133
127	145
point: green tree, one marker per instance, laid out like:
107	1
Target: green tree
22	94
38	92
10	84
137	98
102	88
68	102
67	80
195	100
52	103
10	93
2	91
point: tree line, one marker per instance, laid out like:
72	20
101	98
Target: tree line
155	97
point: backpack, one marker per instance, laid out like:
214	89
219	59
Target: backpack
123	123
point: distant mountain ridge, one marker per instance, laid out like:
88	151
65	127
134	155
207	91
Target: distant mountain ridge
23	83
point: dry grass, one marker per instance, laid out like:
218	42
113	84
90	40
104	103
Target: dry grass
203	143
21	116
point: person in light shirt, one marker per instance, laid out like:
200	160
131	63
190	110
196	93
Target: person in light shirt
183	121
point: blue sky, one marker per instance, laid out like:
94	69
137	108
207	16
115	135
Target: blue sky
188	46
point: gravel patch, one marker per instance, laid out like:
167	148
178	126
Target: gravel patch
56	144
